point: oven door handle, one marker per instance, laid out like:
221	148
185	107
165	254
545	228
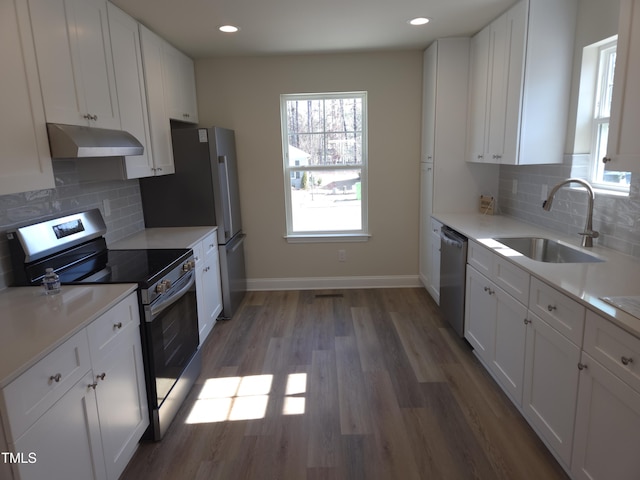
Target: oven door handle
155	310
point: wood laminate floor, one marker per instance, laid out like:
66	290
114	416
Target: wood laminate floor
343	384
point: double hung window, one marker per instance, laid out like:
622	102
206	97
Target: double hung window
324	144
600	177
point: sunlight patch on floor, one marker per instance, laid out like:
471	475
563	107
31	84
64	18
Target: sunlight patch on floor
245	398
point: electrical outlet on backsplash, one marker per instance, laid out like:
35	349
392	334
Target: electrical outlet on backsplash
616	217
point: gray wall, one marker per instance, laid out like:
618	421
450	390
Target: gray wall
70	196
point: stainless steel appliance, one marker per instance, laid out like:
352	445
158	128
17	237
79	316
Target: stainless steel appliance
203	191
453	268
74	246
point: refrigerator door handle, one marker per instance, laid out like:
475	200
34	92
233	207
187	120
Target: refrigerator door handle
228	218
238	242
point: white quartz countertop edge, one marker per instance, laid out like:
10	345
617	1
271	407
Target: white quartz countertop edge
618	275
34	324
165	237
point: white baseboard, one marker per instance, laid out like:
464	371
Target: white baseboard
323	283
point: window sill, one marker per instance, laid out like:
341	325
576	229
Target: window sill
605	191
328	238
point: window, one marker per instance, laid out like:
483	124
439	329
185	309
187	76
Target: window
324	142
605	179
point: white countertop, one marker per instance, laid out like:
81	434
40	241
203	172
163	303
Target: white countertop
34	324
165	237
618	275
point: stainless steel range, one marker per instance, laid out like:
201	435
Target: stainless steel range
74	246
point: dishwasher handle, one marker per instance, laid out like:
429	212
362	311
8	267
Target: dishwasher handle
452	238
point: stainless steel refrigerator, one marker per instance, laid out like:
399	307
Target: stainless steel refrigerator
203	191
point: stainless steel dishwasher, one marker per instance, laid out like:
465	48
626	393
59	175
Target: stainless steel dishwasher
453	264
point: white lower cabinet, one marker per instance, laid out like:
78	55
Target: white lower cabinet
116	359
65	441
574	374
480	314
81	411
607	434
208	286
551	386
494	325
434	260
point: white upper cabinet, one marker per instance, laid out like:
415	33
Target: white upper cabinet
132	96
478	96
24	157
75	64
623	147
520	80
171	94
429	94
156	84
180	96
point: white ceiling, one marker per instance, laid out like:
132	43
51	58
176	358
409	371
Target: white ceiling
269	27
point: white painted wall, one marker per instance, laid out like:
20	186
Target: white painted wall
243	93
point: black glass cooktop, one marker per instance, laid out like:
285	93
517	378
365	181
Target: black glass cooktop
144	267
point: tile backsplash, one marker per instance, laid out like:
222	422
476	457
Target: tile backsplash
71	196
617	218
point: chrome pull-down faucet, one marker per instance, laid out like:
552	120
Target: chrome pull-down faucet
589	233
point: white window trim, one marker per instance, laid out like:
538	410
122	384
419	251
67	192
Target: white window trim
597	120
361	235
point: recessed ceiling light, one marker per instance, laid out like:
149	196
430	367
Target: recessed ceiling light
228	29
419	21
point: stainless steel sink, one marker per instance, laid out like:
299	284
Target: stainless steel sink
547	250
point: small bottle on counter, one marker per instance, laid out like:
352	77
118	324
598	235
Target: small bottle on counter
51	282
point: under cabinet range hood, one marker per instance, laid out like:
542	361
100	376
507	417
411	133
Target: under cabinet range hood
72	141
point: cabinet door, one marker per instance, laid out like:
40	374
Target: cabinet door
180	94
478	96
25	159
429	74
607	442
623	147
96	61
210	297
132	101
496	114
75	62
515	48
426	206
160	128
434	266
507	360
122	400
551	386
480	314
66	439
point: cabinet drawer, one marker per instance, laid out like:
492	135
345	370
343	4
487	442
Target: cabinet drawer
31	394
210	245
107	329
481	258
614	348
558	310
512	279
